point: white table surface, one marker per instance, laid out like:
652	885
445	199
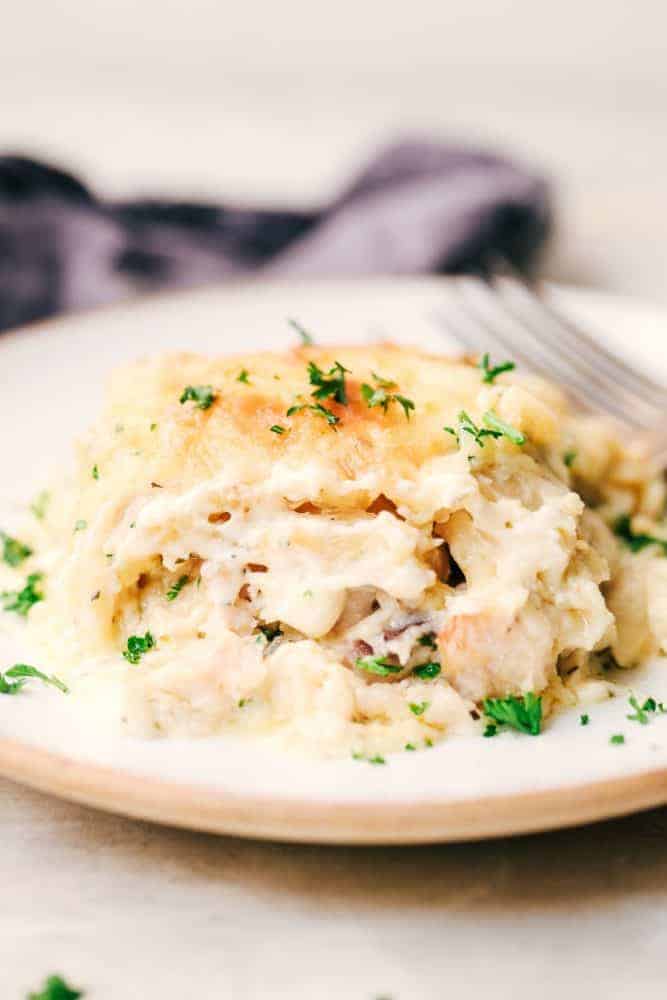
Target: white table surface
199	99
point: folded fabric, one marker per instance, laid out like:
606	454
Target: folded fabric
419	207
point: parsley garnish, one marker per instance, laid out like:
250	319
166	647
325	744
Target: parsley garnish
418	708
202	395
584	720
243	376
494	428
491	730
277	429
21	601
617	739
635	541
306	338
427	671
137	645
379	665
95	473
491	372
375	759
177	587
80	525
380	395
322	411
523	713
23	672
428	640
13	551
270	632
569	458
55	988
410	746
40	504
328	384
641	712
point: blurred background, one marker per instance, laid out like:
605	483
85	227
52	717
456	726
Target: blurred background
279	104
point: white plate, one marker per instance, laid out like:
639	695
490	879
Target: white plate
51	379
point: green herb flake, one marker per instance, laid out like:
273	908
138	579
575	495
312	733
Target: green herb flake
410	746
137	645
639	715
418	708
177	587
80	525
491	730
95	473
242	702
427	671
491	372
40	505
617	739
377	759
569	458
277	429
19	675
380	395
243	376
153	427
55	988
13	551
522	713
428	640
636	541
270	632
21	601
494	428
317	408
502	429
306	337
584	719
203	396
329	385
379	665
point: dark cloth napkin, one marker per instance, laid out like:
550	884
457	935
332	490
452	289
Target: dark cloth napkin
418	207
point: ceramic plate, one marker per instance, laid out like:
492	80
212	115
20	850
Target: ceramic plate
51	381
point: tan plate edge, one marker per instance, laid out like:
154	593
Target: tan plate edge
205	809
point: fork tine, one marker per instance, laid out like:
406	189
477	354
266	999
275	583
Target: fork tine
511	332
541	315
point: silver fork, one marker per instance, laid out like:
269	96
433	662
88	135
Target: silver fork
508	320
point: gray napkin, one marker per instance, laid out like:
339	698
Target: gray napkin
419	207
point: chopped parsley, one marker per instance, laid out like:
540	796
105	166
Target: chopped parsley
95	473
177	587
569	458
379	665
203	396
410	746
40	504
523	713
617	739
375	759
243	376
19	675
636	541
418	708
584	719
306	338
427	671
428	640
137	645
490	372
491	730
494	428
381	395
21	601
80	525
13	551
55	988
270	632
641	712
322	411
329	384
243	702
277	429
